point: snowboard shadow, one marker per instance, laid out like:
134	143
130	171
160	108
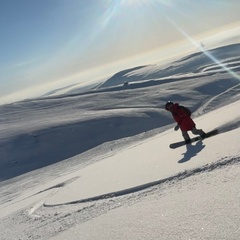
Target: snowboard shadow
192	151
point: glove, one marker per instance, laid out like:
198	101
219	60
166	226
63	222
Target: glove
176	127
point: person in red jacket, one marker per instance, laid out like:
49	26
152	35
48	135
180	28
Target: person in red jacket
184	121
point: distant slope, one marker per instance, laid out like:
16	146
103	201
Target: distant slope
76	88
117	78
198	63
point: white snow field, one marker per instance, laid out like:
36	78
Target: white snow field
96	164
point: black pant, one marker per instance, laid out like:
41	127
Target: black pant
194	131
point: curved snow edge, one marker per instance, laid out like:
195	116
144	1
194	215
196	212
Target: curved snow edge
182	175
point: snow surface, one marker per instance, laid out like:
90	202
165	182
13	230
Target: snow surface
97	164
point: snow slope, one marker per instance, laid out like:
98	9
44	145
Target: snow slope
96	165
110	176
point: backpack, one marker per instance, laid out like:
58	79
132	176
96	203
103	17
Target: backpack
187	110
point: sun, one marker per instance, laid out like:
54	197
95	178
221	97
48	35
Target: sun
141	3
133	3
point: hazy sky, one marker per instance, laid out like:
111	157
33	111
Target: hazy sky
44	41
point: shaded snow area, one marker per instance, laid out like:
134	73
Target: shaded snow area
95	164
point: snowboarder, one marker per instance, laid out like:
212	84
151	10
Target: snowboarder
182	116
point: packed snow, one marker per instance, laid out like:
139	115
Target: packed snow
95	163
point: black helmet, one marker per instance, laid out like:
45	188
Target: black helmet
167	105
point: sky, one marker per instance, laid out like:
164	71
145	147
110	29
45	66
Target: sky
47	44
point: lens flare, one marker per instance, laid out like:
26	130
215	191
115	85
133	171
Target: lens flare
201	47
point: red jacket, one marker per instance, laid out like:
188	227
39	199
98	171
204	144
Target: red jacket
183	120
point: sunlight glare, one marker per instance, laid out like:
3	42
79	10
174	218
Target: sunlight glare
138	3
133	3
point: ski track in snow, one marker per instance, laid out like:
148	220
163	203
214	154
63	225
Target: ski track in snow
179	176
59	218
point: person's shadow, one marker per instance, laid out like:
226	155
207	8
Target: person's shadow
192	150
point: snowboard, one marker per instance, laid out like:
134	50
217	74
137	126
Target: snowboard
182	143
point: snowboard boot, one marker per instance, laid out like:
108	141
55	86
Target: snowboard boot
203	135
